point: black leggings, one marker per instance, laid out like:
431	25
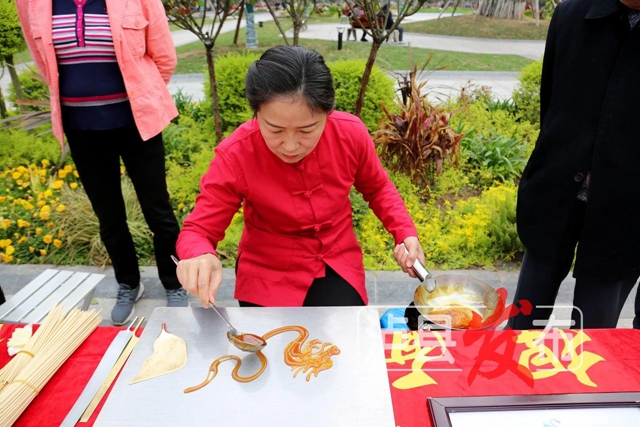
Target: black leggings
97	155
330	290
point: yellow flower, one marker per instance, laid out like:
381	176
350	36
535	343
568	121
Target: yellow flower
22	239
61	208
73	185
41	203
57	184
6	223
180	206
2	199
45	163
50	226
28	206
6	258
45	212
42	173
122	169
19	182
75	173
31	249
62	173
38	231
5	243
48	192
43	252
25	185
68	168
47	239
10	250
16	175
60	233
57	243
23	223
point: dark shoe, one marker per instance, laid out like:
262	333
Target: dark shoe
124	308
177	298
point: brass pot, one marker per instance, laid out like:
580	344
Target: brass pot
454	299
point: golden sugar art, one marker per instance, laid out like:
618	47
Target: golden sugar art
310	357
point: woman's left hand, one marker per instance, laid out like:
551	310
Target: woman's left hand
405	260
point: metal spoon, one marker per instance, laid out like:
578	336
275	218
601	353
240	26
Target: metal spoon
243	340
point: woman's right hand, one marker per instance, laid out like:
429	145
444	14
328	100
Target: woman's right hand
201	276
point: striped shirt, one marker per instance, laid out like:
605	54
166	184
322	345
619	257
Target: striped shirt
92	91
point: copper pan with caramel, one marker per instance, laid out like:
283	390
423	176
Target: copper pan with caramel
457	302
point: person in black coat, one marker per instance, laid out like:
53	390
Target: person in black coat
580	186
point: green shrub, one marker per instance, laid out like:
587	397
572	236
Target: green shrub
347	77
32	87
187	138
526	95
187	107
231	70
183	182
18	147
477	117
503	156
477	231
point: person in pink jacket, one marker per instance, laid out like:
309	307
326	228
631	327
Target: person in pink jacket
107	64
291	169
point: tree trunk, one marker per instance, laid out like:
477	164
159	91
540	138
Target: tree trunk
215	107
296	33
3	106
455	7
15	80
235	36
365	77
252	40
537	12
505	9
446	5
277	21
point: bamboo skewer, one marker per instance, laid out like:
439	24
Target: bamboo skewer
42	334
63	336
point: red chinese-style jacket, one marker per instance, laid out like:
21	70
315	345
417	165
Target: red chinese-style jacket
297	217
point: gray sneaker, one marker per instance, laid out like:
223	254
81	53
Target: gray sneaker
127	297
177	298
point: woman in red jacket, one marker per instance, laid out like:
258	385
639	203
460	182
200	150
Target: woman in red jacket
291	169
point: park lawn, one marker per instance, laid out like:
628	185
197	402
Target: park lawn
22	57
191	57
483	27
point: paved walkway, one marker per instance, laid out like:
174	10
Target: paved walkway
386	289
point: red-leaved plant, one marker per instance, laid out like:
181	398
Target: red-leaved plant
418	139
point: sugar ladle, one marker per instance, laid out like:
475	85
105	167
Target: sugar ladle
242	340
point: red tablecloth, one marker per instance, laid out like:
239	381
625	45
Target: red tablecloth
421	365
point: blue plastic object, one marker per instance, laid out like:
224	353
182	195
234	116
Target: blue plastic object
394	319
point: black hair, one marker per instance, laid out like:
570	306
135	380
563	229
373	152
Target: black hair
294	71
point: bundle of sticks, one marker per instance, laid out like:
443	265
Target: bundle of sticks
54	341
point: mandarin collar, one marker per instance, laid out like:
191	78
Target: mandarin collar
603	8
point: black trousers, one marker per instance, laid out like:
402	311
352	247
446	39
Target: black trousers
599	301
328	291
97	157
